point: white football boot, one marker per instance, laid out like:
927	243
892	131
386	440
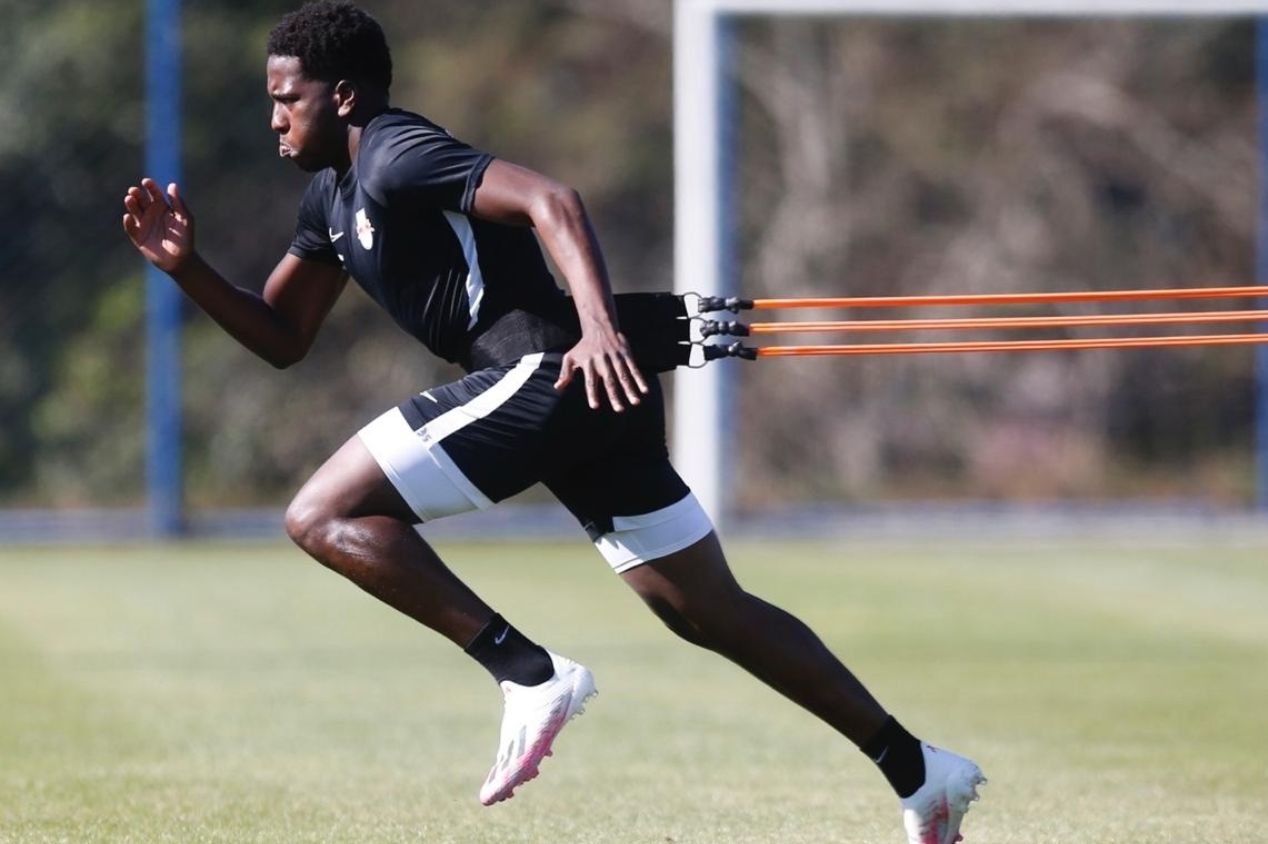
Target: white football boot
933	814
532	717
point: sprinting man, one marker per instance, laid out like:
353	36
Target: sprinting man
442	236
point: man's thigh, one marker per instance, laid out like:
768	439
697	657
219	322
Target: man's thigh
352	484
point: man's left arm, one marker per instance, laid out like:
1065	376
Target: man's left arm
515	195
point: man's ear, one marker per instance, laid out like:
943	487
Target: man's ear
345	94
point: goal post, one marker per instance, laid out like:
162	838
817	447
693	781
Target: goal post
704	257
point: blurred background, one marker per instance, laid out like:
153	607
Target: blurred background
875	157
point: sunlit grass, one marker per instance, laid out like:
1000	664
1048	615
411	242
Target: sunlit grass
1113	693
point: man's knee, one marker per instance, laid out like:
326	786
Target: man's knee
712	623
308	523
676	621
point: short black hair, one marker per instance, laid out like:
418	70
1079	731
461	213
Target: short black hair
333	41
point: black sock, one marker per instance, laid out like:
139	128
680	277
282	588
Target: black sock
509	655
898	754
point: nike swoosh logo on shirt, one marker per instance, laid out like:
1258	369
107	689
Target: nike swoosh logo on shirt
497	640
334	235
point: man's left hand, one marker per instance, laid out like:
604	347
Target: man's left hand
604	358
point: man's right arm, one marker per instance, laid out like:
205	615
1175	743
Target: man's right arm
278	325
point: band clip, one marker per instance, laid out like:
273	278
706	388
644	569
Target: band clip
735	350
723	328
734	304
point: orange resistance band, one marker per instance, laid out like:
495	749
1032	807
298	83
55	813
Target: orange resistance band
1194	317
1014	298
1012	345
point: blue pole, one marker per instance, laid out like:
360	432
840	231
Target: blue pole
163	299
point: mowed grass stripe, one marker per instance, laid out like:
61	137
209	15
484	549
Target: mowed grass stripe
1113	692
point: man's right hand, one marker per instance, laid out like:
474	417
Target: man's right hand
160	227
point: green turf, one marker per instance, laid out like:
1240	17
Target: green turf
196	693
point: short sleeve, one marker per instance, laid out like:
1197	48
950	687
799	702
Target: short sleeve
312	238
423	165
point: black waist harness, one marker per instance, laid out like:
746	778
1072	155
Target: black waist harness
655	324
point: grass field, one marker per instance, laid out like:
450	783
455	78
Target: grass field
195	693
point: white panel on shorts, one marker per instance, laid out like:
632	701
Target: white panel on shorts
416	463
412	468
475	278
635	540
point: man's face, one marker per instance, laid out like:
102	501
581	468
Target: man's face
305	116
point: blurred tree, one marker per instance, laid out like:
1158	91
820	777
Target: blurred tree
70	115
974	156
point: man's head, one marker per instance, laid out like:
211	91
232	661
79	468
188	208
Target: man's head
329	67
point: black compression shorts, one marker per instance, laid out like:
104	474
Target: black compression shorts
496	432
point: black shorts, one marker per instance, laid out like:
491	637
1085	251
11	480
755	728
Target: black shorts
496	432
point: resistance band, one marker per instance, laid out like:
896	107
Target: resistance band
711	328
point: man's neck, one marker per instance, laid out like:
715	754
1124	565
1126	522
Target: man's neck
355	129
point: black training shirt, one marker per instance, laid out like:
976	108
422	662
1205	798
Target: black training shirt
399	222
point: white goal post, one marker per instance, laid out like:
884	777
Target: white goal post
701	252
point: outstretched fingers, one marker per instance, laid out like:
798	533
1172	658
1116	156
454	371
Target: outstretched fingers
152	190
632	380
140	201
590	376
623	380
136	201
158	223
604	374
617	377
134	206
176	201
608	368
